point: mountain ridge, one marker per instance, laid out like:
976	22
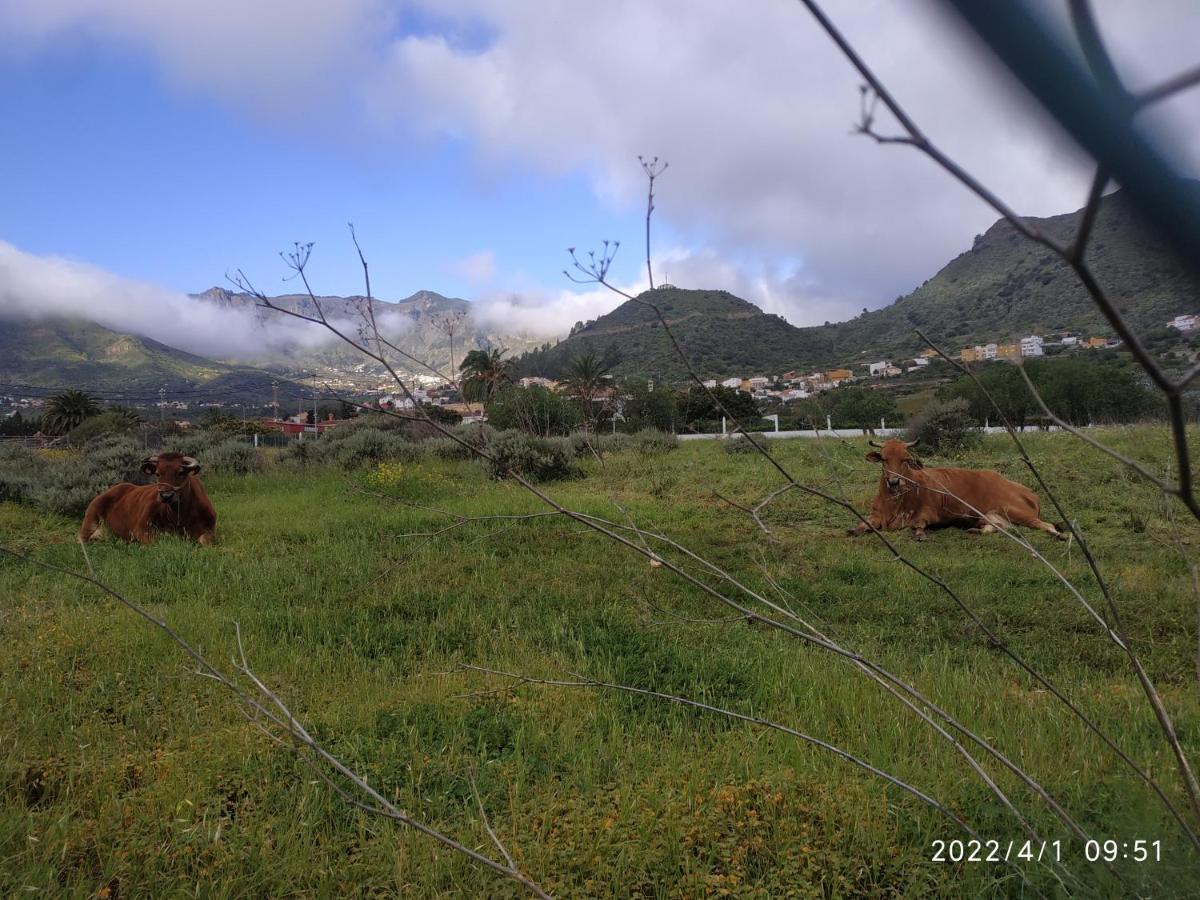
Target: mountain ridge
1001	288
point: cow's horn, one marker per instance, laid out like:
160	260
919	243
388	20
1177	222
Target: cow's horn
873	444
189	462
912	443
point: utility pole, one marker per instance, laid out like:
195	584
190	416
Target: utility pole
275	398
162	407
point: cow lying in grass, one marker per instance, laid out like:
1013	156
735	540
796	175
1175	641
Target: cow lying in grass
912	496
176	504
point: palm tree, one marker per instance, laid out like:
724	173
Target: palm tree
485	372
67	410
587	379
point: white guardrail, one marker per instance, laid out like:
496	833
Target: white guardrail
847	433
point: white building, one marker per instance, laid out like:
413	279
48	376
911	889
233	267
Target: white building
533	381
919	362
1070	340
1185	323
758	382
877	368
1031	346
711	383
734	383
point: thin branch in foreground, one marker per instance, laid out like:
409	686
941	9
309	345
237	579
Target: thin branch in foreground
1114	631
518	680
277	713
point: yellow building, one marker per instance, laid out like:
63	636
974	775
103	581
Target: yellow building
1008	351
928	353
838	375
968	354
1094	342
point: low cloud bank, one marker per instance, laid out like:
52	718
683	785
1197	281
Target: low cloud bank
40	287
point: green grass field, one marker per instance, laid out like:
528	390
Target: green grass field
123	774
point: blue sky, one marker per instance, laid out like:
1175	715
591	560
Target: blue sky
152	145
113	166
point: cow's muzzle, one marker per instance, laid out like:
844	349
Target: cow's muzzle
893	483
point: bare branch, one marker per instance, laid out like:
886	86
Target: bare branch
282	717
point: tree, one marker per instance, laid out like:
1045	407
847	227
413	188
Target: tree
699	412
535	410
67	410
859	407
485	372
17	425
647	405
587	380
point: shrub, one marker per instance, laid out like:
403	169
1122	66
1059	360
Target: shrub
299	453
365	446
445	448
944	426
235	456
649	441
740	443
538	459
477	434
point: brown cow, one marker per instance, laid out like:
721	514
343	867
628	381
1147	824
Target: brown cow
912	496
177	504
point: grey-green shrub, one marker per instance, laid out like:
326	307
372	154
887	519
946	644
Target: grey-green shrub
741	443
235	456
536	458
651	440
945	426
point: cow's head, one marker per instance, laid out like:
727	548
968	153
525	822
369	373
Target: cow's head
172	471
897	461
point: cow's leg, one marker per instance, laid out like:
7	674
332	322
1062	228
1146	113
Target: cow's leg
862	527
207	539
1050	528
918	528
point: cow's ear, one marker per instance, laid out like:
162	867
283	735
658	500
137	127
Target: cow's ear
190	466
150	465
874	456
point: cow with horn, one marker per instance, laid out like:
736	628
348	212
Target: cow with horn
913	496
176	504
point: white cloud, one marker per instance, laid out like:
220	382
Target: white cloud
751	104
36	287
753	107
286	59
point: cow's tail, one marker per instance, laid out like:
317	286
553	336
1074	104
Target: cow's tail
93	520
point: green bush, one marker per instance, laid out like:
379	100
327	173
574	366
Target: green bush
945	426
538	459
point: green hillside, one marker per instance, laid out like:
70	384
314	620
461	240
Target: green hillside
75	353
1004	287
721	333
